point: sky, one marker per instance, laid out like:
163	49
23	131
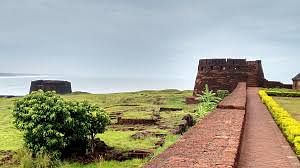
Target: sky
147	38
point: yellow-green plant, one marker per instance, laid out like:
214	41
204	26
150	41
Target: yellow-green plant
289	126
209	101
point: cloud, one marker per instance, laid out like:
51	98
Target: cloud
146	38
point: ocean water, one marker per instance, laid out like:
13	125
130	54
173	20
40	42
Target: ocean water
20	85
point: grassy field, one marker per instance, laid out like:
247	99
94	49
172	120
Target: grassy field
291	104
141	104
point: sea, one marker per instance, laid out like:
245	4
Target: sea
20	85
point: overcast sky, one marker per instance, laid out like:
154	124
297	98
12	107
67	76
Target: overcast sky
153	38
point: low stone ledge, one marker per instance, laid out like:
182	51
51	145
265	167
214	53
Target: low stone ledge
237	99
130	121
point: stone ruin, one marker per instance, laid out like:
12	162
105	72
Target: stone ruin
61	87
225	74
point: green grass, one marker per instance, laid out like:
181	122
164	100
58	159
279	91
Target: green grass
10	137
170	140
137	115
291	104
107	164
132	105
122	140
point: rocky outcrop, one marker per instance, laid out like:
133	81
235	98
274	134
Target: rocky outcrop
186	122
61	87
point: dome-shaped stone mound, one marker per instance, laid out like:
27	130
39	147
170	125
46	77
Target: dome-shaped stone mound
61	87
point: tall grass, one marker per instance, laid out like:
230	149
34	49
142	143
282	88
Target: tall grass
27	160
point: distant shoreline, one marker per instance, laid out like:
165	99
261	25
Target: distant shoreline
17	74
120	92
8	96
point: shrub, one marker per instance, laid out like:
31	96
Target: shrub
209	101
222	93
289	126
283	93
204	108
51	124
209	96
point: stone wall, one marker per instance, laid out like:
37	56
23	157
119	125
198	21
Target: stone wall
276	84
236	100
212	142
225	74
130	121
61	87
296	85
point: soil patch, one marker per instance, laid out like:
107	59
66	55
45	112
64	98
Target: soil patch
169	109
6	157
104	152
130	121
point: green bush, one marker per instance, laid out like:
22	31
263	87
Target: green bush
51	124
283	93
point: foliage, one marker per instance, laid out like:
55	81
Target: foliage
283	93
122	140
209	96
40	161
289	126
209	101
222	93
139	102
51	125
134	163
204	108
169	140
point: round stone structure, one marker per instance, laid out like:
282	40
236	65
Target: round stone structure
60	87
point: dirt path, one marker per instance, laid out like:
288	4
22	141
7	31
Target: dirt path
263	144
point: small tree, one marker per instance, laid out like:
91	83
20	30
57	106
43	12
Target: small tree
51	124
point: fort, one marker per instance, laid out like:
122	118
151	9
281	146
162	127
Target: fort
60	87
225	74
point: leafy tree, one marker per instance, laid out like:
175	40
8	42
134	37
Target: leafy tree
51	124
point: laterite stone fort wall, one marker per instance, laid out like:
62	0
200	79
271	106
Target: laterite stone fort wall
212	142
227	73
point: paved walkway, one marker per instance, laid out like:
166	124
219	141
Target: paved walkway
263	144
